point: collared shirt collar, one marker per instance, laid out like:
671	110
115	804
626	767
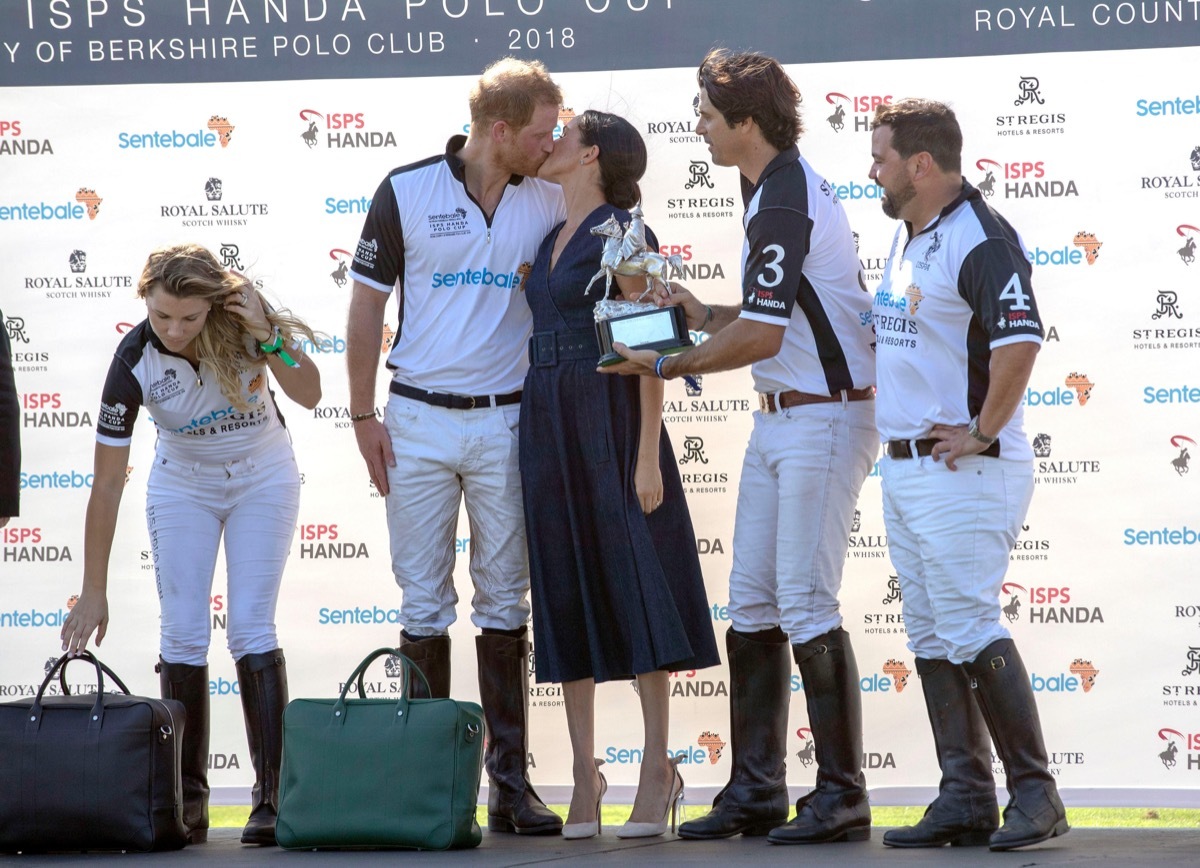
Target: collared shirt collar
458	168
789	155
966	193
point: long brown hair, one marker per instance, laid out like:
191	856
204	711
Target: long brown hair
191	271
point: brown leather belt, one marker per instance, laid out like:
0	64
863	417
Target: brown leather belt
924	448
772	402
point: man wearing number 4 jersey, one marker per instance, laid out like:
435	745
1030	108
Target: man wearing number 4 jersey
804	326
958	330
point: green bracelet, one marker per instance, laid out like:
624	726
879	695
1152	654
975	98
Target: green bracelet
275	348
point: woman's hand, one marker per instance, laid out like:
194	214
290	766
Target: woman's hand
88	615
247	304
647	482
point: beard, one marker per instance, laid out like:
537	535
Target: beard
517	162
894	200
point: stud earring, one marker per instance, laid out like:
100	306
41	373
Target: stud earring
581	161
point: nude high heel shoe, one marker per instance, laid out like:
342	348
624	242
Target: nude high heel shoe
591	828
650	830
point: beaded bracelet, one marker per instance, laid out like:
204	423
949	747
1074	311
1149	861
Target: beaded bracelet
359	417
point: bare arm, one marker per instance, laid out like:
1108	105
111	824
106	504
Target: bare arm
647	476
90	613
363	334
1008	375
302	383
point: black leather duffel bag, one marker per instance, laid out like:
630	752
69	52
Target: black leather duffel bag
98	771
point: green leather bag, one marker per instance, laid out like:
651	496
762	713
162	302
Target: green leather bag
382	772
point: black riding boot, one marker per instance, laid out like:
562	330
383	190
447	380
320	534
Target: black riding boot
756	799
262	679
189	684
837	809
513	805
1035	812
432	656
965	813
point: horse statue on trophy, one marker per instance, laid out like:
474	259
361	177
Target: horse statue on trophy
625	252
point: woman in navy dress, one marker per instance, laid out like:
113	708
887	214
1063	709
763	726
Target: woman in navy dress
616	583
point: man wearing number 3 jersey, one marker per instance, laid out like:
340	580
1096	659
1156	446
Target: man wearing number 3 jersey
958	330
804	326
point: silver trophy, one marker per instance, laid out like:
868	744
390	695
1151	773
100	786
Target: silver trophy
640	325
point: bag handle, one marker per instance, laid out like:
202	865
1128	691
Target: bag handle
356	677
96	718
62	673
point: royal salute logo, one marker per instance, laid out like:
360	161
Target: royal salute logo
1046	604
340	275
1175	181
1026	179
1089	244
1029	548
1181	461
864	545
214	210
342	130
32	545
77	284
15	142
681	131
855	111
1187	253
1036	119
1051	468
1176	740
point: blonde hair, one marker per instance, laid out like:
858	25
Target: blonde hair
191	271
510	90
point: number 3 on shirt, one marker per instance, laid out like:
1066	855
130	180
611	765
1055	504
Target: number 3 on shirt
773	267
1013	293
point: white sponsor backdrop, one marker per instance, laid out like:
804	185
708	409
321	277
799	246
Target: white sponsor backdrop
1102	185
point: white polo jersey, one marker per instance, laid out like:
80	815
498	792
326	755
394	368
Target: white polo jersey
195	420
463	323
957	290
800	269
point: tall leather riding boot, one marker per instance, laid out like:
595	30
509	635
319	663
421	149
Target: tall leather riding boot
513	805
837	809
755	800
432	656
1001	687
262	679
965	813
189	685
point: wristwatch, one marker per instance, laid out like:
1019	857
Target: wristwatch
973	430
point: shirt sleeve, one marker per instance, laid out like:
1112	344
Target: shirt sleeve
379	256
778	240
119	405
995	281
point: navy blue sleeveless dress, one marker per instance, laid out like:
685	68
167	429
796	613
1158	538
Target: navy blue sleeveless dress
615	592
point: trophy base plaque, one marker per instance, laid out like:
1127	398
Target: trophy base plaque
663	329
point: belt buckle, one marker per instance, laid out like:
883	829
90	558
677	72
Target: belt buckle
764	402
471	398
545	349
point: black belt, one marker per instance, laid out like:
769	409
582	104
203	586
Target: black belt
924	448
454	402
550	348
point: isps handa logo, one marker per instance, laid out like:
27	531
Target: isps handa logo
319	541
1034	117
1045	604
860	108
691	684
1187	253
31	545
1185	691
1023	179
15	142
1176	741
1174	180
1181	461
342	129
214	209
